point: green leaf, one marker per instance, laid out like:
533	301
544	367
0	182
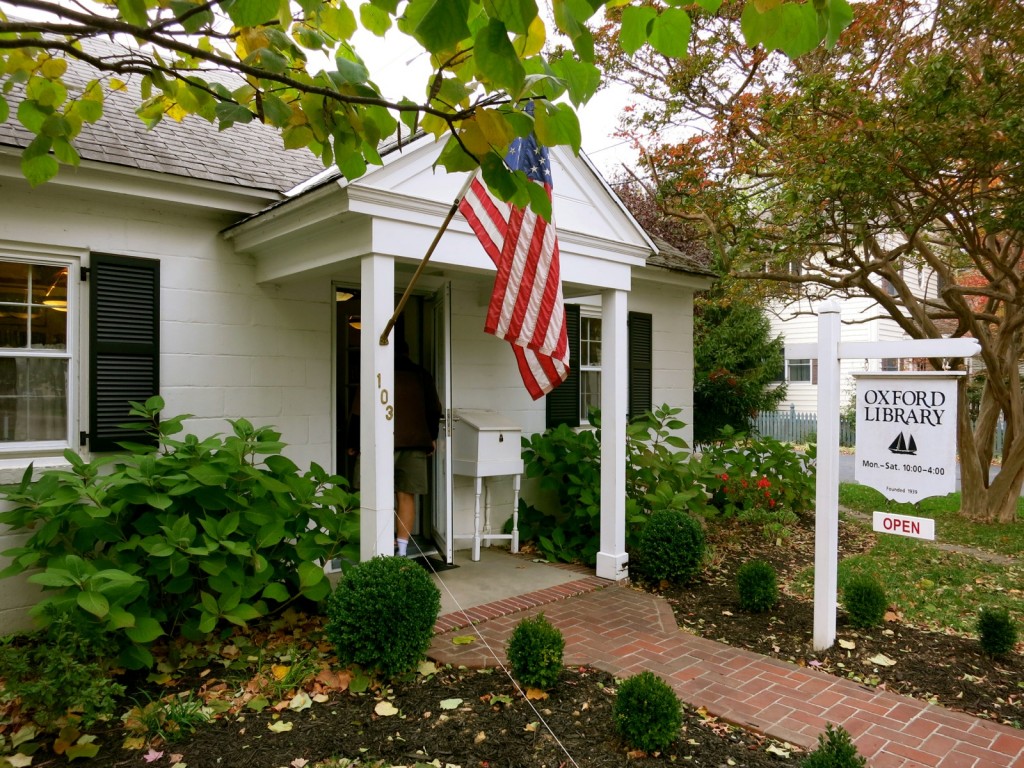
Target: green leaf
88	750
209	603
119	618
65	152
374	19
32	116
840	16
496	58
54	577
798	31
251	13
636	26
133	11
146	630
276	591
349	72
711	6
670	32
443	25
241	614
581	78
5	109
309	574
94	603
135	657
514	14
558	124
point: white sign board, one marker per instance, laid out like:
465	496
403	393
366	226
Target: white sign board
906	434
904	525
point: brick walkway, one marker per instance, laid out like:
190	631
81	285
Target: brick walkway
624	631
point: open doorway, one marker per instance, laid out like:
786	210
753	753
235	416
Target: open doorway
416	325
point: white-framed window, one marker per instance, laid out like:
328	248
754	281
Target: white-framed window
590	365
798	369
37	310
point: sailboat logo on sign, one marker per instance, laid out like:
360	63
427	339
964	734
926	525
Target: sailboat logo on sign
903	445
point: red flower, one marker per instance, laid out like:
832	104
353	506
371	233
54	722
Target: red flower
764	482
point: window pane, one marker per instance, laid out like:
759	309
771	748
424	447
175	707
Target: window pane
590	392
14	282
50	286
590	341
33	399
799	369
13	326
50	328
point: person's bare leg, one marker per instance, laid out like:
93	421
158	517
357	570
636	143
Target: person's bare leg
405	515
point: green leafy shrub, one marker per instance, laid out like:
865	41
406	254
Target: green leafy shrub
534	652
997	632
182	536
758	586
671	547
865	600
835	750
647	712
754	472
59	671
381	615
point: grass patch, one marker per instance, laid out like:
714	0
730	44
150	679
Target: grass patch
950	526
931	588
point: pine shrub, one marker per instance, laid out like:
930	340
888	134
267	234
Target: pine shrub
534	652
647	712
865	601
758	586
835	750
381	615
671	547
996	631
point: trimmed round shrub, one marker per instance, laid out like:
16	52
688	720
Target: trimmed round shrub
997	632
647	712
758	586
534	652
865	601
381	615
835	750
671	547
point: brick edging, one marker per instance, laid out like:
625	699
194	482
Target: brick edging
510	605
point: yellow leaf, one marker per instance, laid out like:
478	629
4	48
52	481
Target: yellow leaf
117	85
532	42
280	671
847	644
134	742
434	125
54	68
176	112
882	660
463	640
426	668
18	760
536	694
280	726
495	127
385	709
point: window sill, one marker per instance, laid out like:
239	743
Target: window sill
12	469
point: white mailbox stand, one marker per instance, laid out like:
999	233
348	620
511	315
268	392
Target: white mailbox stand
487	444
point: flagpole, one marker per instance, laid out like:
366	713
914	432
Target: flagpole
423	263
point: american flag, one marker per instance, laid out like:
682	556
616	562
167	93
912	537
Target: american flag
526	306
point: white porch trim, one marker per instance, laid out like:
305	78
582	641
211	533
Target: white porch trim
612	559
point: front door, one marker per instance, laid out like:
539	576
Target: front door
442	507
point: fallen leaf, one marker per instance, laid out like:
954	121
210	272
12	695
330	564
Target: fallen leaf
280	726
19	760
451	703
321	698
280	671
23	734
891	616
463	640
134	742
359	683
87	750
299	762
385	709
847	644
882	660
258	703
152	756
336	680
300	702
427	668
531	727
727	613
774	750
176	758
814	663
180	764
480	738
536	694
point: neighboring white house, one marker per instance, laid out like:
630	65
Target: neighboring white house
863	320
240	280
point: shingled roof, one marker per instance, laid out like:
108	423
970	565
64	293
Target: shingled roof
249	155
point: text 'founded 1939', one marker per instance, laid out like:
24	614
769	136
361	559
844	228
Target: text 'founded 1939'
906	434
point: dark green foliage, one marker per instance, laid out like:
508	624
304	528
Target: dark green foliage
535	652
737	365
59	670
865	601
647	712
180	537
758	586
671	547
997	632
835	750
381	615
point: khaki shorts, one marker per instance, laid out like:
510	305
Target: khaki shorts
411	471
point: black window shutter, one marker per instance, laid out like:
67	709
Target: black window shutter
814	370
563	402
641	370
124	344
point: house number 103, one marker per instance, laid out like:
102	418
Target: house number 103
389	410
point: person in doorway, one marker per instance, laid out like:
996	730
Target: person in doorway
416	424
417	420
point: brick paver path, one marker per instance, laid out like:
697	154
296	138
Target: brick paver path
624	631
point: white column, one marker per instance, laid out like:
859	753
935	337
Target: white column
826	519
376	410
612	559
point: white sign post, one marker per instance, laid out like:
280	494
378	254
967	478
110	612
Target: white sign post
829	351
906	433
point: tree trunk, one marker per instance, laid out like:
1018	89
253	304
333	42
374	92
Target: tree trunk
983	500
